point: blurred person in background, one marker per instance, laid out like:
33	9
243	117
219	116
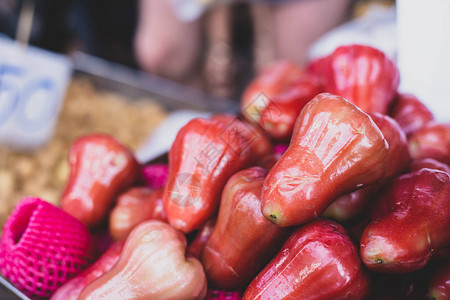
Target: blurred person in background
210	44
168	35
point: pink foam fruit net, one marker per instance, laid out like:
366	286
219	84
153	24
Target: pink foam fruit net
222	295
42	247
155	175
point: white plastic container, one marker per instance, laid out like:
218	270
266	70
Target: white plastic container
424	52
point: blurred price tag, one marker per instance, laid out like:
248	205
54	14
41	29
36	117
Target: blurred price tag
33	83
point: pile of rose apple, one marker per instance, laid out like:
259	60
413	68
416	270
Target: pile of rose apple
257	216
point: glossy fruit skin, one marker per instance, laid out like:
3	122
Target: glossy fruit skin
100	168
335	149
271	81
431	141
259	144
318	261
270	160
152	265
319	67
195	248
72	289
203	156
410	113
439	287
242	240
429	163
134	206
410	223
278	117
356	228
361	74
398	158
350	206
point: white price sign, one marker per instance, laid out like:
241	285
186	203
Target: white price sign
33	83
